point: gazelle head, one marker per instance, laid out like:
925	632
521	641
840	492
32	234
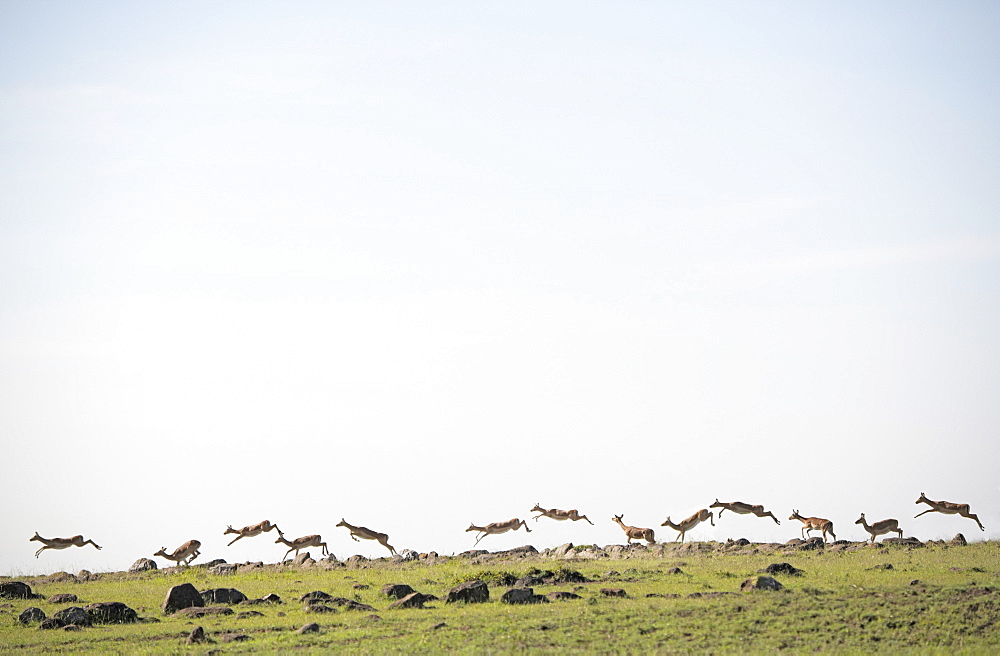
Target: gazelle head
795	515
537	508
617	518
230	529
716	504
667	523
472	527
161	552
861	520
923	498
343	522
37	538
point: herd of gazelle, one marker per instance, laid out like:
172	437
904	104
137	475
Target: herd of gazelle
188	551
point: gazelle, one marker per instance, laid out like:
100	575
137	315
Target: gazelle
741	508
301	543
251	531
948	508
810	524
367	534
559	515
498	527
689	523
183	554
634	532
60	543
878	528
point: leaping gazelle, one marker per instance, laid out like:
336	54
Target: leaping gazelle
301	543
559	515
880	527
948	508
367	534
635	532
687	524
251	531
60	543
183	554
741	508
810	524
497	528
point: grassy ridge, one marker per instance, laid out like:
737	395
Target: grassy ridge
935	598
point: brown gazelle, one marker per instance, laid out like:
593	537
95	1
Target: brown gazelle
251	531
497	528
559	515
689	523
634	532
879	528
60	543
301	543
743	509
948	508
367	534
183	554
810	524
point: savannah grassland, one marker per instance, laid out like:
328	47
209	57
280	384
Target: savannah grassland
934	599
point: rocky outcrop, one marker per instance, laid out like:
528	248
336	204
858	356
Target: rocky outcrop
761	583
223	596
31	615
413	600
111	612
182	596
63	598
522	596
17	590
782	568
958	541
142	565
202	611
397	590
73	615
470	592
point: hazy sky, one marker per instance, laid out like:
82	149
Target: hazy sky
424	264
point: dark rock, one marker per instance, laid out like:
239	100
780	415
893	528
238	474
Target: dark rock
271	599
31	615
142	565
312	627
567	576
761	583
52	623
17	590
350	604
223	596
613	592
249	613
316	595
675	570
320	608
397	590
111	612
473	553
782	568
439	625
235	637
522	596
202	611
225	569
182	596
562	595
412	600
471	592
812	544
958	541
356	560
197	636
902	542
361	586
212	563
85	575
73	615
64	598
526	550
72	627
529	581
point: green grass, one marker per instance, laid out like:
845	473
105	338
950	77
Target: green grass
845	601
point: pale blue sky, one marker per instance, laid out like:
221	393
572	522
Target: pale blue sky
421	264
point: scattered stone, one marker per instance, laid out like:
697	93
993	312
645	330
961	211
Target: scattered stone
17	590
882	566
782	568
73	615
320	608
249	613
915	582
31	615
562	595
212	563
522	596
64	598
142	565
316	595
902	542
197	636
312	627
224	569
761	583
223	596
406	555
613	592
235	637
111	612
563	551
361	586
675	570
182	596
85	575
397	590
271	599
202	611
473	553
471	592
51	623
373	618
350	604
303	559
958	541
72	627
412	600
356	559
439	625
526	550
